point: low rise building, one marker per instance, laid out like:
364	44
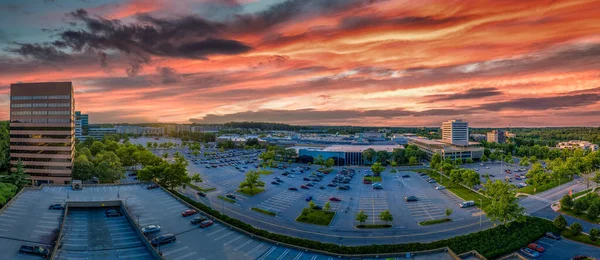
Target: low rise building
152	131
343	154
496	136
574	144
472	150
99	133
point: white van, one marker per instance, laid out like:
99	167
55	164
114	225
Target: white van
466	204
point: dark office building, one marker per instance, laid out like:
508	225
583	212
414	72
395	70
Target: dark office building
42	131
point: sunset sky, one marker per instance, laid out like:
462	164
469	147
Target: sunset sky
493	63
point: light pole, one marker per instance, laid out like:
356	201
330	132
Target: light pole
138	219
118	191
480	203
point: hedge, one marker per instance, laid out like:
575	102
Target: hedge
491	243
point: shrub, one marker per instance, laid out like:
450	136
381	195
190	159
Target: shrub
576	229
593	211
560	222
566	202
579	206
594	233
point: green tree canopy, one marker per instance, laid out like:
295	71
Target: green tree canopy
503	204
361	217
386	216
560	222
251	181
377	168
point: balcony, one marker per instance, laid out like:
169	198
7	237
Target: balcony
36	155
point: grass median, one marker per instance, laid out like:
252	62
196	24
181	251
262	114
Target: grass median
251	193
265	172
226	199
317	217
434	221
581	238
577	194
263	211
373	178
200	188
374	226
460	191
547	186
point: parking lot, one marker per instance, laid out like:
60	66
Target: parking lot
497	171
565	249
89	234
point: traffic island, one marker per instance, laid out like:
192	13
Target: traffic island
434	221
263	211
374	226
252	192
315	216
226	199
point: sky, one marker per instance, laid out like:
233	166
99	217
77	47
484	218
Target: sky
493	63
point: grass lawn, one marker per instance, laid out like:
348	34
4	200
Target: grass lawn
374	226
433	222
265	172
582	238
266	212
460	191
254	191
582	216
318	217
325	170
549	185
373	179
393	171
226	199
201	189
575	195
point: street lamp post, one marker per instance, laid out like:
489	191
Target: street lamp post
138	219
480	203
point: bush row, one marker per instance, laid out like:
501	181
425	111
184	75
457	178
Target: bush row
491	243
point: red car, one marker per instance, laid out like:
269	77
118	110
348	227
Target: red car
304	187
188	212
206	223
334	199
536	247
367	182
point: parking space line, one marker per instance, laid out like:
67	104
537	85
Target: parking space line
243	245
254	249
233	240
131	256
175	251
314	257
224	236
214	232
185	256
267	253
284	254
127	243
298	256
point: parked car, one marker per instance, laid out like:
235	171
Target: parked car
553	235
188	212
279	180
331	184
206	223
198	220
466	204
56	206
367	182
229	195
309	184
345	187
536	247
377	187
335	199
108	211
441	187
275	183
150	229
431	181
113	214
292	188
529	252
306	179
410	198
405	176
322	187
34	250
163	239
200	193
304	187
152	186
309	198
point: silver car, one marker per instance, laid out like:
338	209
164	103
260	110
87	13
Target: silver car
151	229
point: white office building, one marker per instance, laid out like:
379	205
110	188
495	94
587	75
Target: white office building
455	132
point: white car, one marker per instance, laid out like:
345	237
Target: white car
151	229
441	187
291	176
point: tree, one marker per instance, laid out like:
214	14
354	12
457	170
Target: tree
456	176
448	213
594	233
484	158
386	216
579	206
377	168
470	178
413	160
446	168
7	191
165	155
18	177
170	175
96	147
319	160
251	181
394	164
593	211
566	202
252	142
382	156
329	163
503	205
361	217
458	161
576	229
469	160
524	161
327	206
436	159
368	155
537	176
196	178
83	169
560	222
311	204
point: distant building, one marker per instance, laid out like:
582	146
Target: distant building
99	133
509	135
206	128
42	130
152	131
343	154
81	125
574	144
402	138
478	137
134	130
496	136
455	132
448	150
239	140
169	129
183	128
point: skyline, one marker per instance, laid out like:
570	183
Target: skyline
346	62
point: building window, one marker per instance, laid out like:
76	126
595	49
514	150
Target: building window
39	113
59	105
59	97
21	98
20	105
40	104
59	113
20	113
